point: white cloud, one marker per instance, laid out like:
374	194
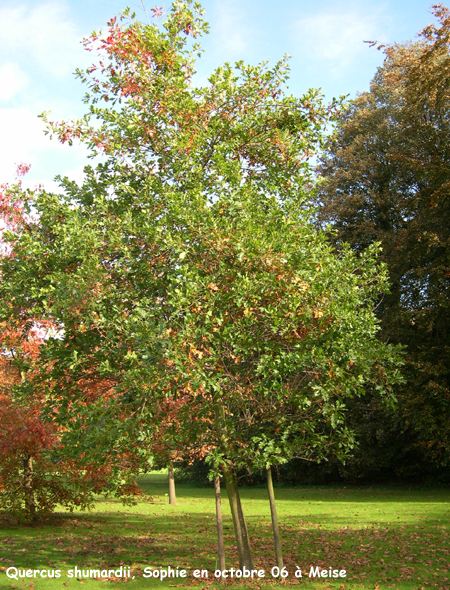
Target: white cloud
22	136
232	31
43	34
337	37
12	80
23	140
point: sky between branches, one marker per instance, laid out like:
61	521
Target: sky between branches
40	49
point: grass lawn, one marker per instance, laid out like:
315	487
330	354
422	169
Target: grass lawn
383	537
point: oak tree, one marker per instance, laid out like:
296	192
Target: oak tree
185	268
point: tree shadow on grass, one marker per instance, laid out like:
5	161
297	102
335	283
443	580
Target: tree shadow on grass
393	553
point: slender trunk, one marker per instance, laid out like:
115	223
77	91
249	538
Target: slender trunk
273	511
242	522
240	528
172	496
30	500
219	525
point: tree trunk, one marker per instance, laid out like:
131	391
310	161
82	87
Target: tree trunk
219	525
30	500
273	511
172	496
240	528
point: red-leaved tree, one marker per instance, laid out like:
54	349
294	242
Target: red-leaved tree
36	471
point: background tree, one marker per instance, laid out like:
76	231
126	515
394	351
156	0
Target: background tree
387	172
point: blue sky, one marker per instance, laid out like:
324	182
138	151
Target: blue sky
40	48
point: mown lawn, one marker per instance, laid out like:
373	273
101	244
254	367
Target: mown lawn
383	537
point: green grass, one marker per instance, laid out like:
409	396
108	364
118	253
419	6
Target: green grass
383	537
